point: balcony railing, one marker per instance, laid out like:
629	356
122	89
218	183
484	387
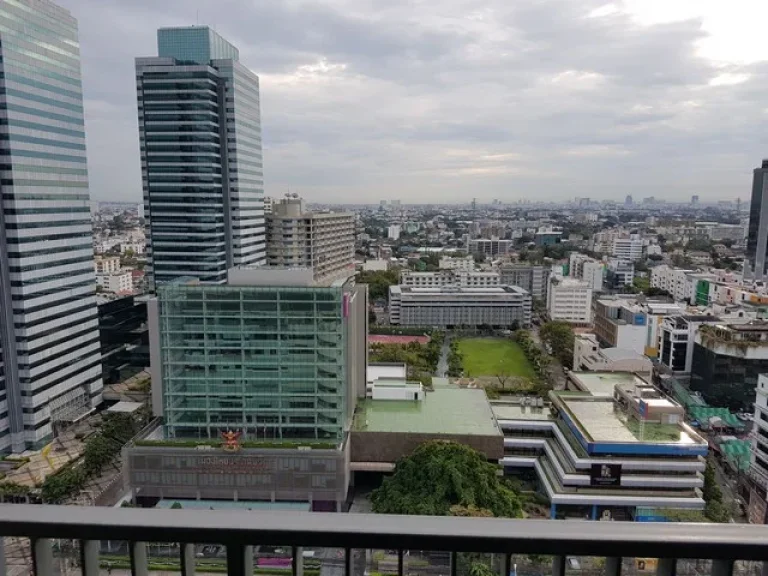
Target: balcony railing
723	544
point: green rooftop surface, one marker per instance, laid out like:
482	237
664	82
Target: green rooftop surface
603	423
443	411
601	384
518	412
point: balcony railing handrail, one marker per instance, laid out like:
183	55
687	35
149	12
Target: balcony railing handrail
366	531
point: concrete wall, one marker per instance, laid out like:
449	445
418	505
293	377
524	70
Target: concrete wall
391	446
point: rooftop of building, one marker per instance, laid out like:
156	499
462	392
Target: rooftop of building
601	421
603	384
504	410
444	410
619	354
468	290
386	370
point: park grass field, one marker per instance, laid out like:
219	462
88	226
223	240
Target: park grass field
492	356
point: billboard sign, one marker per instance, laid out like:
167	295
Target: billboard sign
605	475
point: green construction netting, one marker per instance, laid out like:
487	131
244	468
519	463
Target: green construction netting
737	452
704	413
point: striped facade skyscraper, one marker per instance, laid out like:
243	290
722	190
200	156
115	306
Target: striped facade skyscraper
50	364
200	140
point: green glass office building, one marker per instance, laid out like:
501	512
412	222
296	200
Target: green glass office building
274	362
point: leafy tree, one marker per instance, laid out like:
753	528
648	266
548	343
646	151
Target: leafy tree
655	257
559	337
371	316
714	509
176	506
379	282
439	475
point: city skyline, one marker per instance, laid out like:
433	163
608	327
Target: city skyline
556	99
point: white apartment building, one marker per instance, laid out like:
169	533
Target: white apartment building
449	263
628	248
445	278
393	232
106	264
322	241
588	269
489	246
673	280
569	300
116	282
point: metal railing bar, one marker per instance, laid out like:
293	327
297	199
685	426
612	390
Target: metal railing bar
361	531
506	564
455	563
400	570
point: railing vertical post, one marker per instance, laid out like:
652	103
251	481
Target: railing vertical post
400	571
298	561
558	565
666	567
506	564
89	557
347	561
455	563
722	567
239	560
42	557
2	557
613	566
187	559
139	562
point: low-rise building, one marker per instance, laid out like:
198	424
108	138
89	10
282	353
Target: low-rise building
106	264
619	273
631	324
612	447
117	282
672	280
450	307
490	247
569	300
466	263
727	360
588	356
676	340
378	265
445	278
628	248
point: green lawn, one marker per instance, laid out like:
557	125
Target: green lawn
492	356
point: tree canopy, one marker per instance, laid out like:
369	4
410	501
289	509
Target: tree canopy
443	478
559	338
379	282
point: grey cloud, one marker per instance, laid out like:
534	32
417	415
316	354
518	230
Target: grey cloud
429	91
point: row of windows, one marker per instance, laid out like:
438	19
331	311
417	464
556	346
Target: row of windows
48	224
41	141
44	155
42	114
47	265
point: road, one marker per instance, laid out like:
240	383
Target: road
442	363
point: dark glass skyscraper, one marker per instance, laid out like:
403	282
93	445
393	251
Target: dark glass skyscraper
756	261
200	136
50	364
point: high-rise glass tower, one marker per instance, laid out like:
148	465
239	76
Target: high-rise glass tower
50	366
756	261
200	137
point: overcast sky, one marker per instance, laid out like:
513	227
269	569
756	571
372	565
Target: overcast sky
445	100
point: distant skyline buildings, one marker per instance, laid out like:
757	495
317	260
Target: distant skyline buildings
50	362
201	157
